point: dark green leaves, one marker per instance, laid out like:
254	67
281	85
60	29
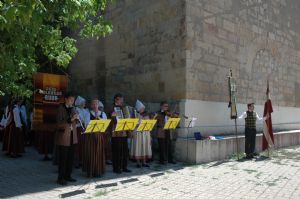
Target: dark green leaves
30	29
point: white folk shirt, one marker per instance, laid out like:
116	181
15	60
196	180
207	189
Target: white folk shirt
84	116
244	115
23	114
7	117
98	114
17	118
166	117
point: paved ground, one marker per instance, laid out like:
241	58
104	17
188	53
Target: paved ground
279	177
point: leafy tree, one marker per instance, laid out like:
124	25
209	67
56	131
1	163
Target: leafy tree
33	30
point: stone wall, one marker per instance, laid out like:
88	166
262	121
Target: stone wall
143	56
87	70
256	38
182	50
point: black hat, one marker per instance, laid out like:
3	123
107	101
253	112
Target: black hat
118	95
252	103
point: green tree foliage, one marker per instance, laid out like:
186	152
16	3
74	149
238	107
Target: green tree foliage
30	29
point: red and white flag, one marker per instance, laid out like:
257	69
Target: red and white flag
268	138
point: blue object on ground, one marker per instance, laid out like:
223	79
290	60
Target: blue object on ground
198	136
219	137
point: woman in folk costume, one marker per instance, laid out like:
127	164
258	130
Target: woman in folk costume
84	117
94	153
107	141
141	143
15	134
24	121
2	123
6	121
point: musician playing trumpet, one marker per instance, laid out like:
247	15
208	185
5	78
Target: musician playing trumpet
164	137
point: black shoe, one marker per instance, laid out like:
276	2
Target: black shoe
145	165
62	182
138	166
117	171
172	162
70	179
108	162
126	170
249	156
13	156
46	158
255	154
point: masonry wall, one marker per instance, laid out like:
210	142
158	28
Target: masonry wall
182	50
87	70
144	56
257	39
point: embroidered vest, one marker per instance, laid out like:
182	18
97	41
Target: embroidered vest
250	120
95	118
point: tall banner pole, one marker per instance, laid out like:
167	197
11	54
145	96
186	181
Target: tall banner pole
232	106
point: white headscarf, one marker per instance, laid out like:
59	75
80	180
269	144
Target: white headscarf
79	100
101	104
139	105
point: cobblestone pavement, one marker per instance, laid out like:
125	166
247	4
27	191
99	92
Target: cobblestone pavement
279	177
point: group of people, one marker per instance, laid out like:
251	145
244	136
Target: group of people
93	151
14	126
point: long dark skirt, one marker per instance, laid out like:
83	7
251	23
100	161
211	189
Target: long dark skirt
15	140
45	142
93	154
5	138
1	134
78	148
107	143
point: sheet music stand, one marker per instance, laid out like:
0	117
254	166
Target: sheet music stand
97	126
146	125
126	124
172	123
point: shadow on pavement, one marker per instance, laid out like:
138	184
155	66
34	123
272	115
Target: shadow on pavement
29	175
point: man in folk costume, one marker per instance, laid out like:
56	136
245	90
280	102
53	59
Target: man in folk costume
15	144
251	118
140	149
164	136
268	138
84	117
94	148
66	138
119	139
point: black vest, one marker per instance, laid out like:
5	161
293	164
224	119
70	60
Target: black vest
250	120
95	118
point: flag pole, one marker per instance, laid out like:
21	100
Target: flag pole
237	140
232	106
268	130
